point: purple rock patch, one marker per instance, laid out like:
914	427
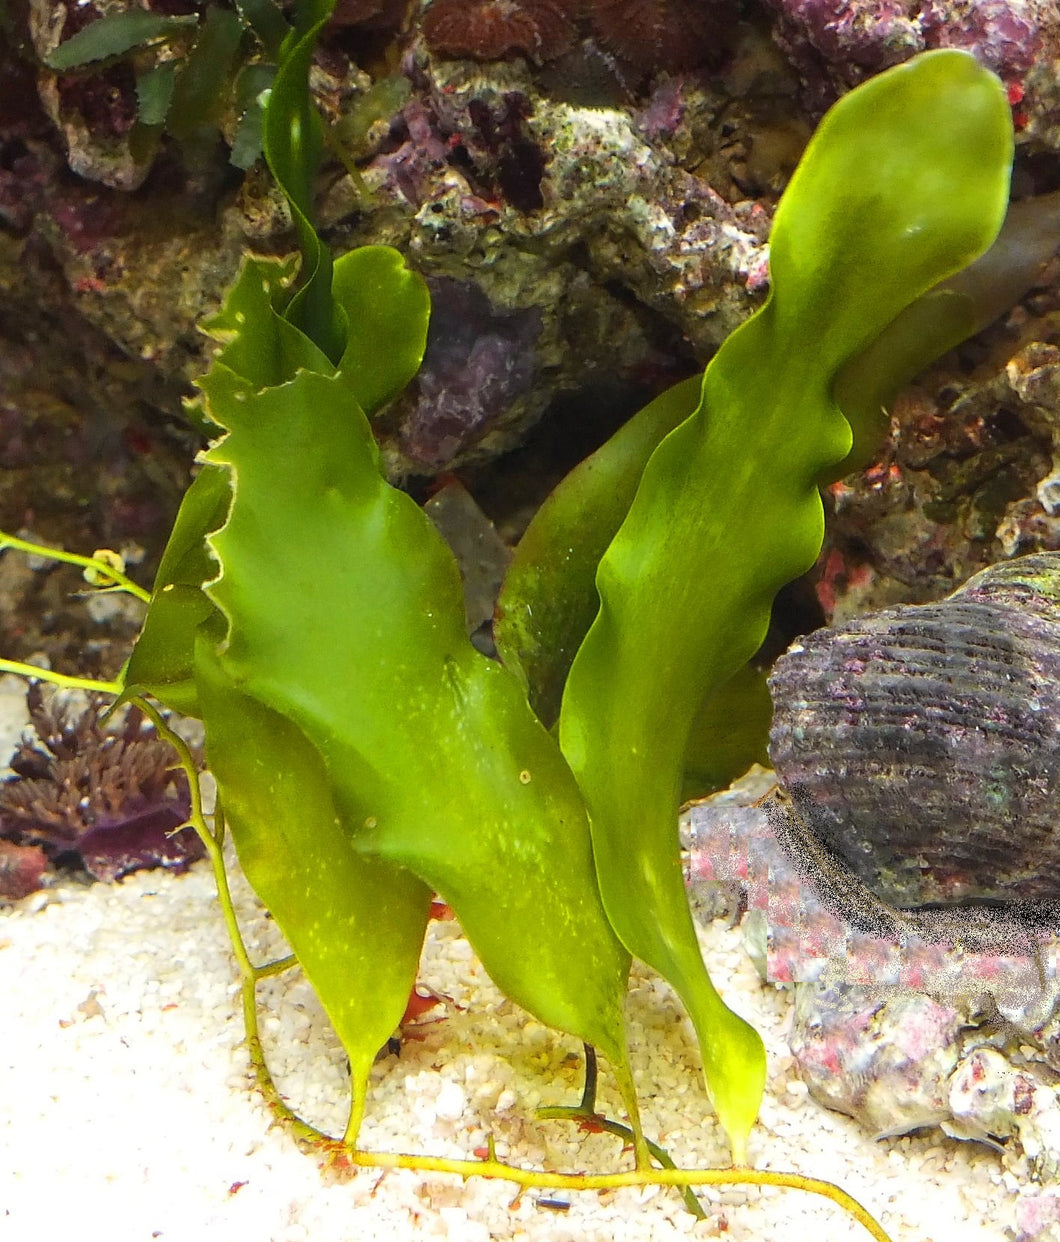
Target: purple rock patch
478	362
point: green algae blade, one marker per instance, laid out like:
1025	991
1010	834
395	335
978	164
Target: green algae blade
384	301
355	924
549	600
113	35
163	661
730	731
257	342
293	141
345	617
201	88
387	309
948	314
903	184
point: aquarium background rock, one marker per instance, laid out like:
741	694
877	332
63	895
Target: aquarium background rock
592	229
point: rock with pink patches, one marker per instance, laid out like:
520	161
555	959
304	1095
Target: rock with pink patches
735	862
887	1063
1004	35
1037	1211
865	36
836	44
899	1034
991	1099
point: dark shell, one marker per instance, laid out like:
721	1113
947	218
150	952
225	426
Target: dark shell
921	744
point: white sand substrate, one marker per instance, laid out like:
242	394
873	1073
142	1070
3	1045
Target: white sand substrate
127	1110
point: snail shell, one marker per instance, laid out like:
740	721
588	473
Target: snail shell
918	749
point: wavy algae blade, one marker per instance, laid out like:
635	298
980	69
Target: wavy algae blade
293	140
387	309
548	600
345	615
948	314
729	732
355	924
162	662
903	184
384	301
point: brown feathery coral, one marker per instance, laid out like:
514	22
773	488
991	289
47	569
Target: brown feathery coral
662	34
101	792
494	29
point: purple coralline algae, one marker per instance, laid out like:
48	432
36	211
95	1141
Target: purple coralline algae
847	41
869	36
477	365
889	1063
1002	34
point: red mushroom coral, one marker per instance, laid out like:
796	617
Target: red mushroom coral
494	29
662	34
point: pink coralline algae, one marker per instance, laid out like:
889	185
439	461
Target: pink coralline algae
664	111
22	869
412	166
899	1036
735	851
1035	1213
889	1066
871	36
1001	34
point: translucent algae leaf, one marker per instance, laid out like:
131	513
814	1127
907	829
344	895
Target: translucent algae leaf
903	184
163	660
355	924
293	139
264	350
345	616
549	600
